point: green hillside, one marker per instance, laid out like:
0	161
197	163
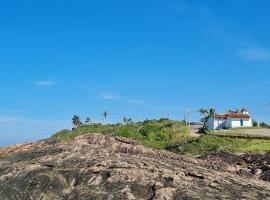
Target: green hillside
153	133
169	135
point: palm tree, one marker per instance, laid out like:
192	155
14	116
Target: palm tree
203	111
76	121
88	121
129	121
205	114
212	111
125	119
105	116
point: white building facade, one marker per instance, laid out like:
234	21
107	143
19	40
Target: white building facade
230	119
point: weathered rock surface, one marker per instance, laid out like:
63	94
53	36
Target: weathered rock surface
102	167
255	166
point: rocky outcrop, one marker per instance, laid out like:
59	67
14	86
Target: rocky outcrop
102	167
256	166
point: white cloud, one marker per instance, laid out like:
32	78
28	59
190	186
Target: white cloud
116	97
226	31
107	96
8	119
44	83
254	54
236	90
136	101
18	121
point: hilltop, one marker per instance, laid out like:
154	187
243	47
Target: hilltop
95	166
135	161
152	133
175	136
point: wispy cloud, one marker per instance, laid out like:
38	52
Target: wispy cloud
136	101
235	90
17	121
254	54
111	96
243	45
8	119
108	96
44	83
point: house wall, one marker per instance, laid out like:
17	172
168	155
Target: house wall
248	123
210	123
235	123
229	123
214	125
219	124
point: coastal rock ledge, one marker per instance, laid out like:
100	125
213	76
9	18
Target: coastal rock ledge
102	167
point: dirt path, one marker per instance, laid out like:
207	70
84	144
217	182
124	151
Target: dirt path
260	132
194	130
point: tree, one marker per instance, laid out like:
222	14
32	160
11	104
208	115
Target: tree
105	116
205	114
76	121
88	121
125	119
203	111
212	111
264	125
129	121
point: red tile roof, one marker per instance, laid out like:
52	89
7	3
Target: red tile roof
231	115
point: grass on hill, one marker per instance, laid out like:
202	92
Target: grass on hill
170	135
206	144
152	133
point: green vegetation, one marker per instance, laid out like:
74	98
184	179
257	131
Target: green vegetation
76	121
169	135
205	114
211	143
260	124
152	133
87	121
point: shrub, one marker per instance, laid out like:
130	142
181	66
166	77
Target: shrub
165	135
264	125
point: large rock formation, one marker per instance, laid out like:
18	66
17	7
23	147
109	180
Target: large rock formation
102	167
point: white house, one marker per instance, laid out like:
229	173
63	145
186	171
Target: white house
230	119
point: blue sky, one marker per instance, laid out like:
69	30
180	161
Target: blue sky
142	58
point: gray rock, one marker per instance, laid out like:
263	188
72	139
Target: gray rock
102	167
257	172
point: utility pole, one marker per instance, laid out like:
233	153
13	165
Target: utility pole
187	116
188	113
